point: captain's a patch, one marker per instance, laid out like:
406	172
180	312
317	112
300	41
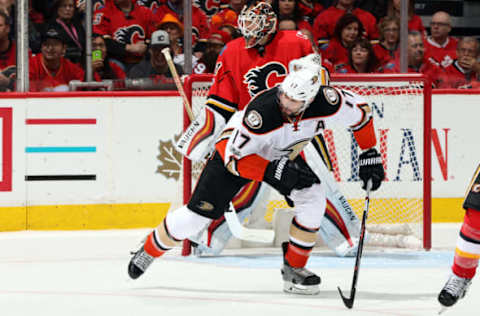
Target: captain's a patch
253	119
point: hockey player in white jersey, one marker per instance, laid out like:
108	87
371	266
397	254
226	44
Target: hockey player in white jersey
262	143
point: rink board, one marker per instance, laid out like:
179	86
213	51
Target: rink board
106	160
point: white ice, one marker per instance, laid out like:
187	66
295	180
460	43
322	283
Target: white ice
84	273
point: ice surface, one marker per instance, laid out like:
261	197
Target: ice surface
85	273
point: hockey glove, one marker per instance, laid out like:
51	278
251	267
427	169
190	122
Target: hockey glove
371	167
285	175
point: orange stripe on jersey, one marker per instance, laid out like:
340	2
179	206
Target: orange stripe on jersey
365	136
250	167
206	130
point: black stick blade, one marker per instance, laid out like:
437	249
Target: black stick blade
347	301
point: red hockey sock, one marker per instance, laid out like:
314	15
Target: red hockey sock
153	247
467	252
297	257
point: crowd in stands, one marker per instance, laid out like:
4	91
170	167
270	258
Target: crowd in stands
129	37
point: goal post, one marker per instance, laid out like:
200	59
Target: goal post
401	106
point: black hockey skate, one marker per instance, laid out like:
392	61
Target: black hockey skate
455	289
298	280
139	263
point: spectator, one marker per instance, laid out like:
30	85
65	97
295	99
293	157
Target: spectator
217	40
289	9
287	24
361	58
386	49
66	21
417	63
310	9
49	70
439	45
324	24
414	21
103	68
34	39
8	60
233	31
347	30
154	72
200	24
174	28
125	26
461	72
228	15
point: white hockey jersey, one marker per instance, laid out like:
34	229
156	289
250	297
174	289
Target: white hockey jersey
261	133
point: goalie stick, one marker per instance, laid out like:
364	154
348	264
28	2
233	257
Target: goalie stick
349	301
241	232
178	83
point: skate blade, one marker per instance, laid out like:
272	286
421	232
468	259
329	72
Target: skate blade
443	309
293	288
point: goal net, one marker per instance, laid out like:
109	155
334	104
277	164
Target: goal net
400	211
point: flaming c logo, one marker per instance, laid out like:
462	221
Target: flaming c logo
264	77
129	34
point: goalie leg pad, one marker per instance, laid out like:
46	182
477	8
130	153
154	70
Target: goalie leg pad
218	234
340	229
198	140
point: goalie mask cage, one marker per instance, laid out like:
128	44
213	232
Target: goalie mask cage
401	106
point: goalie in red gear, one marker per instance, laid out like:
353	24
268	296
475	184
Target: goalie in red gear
246	67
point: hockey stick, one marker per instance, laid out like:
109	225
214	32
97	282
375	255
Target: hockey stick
241	232
178	83
349	301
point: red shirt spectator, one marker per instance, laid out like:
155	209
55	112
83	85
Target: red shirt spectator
8	56
414	21
386	50
440	46
347	30
461	72
125	26
417	63
200	24
50	71
324	24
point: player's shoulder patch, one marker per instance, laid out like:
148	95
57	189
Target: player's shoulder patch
301	35
253	119
331	95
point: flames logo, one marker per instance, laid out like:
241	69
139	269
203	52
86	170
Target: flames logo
264	77
129	34
97	4
151	4
210	7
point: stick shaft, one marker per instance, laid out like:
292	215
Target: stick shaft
178	83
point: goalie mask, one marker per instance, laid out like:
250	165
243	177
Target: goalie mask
301	85
256	22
